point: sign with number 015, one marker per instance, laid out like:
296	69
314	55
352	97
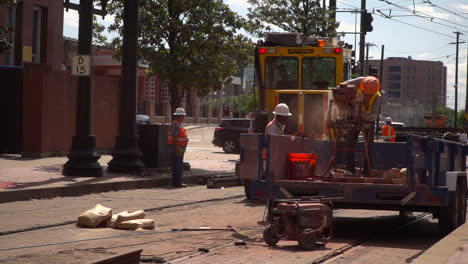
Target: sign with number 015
81	65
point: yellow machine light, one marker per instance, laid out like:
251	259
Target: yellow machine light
321	43
271	51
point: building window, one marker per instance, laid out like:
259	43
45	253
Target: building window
165	92
394	77
394	93
150	88
394	69
39	34
394	86
36	35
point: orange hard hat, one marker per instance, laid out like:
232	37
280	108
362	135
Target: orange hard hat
370	85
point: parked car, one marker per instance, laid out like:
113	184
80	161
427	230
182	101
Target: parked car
141	120
227	134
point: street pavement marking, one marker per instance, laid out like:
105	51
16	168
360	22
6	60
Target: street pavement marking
198	149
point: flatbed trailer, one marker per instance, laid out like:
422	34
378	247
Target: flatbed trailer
435	182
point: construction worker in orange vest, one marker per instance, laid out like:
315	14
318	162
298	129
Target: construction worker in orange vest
177	141
388	132
276	126
367	89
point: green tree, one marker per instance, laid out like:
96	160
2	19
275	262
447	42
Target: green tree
193	45
6	42
448	112
304	16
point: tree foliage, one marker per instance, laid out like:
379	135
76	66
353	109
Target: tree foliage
194	45
6	42
99	38
449	112
304	16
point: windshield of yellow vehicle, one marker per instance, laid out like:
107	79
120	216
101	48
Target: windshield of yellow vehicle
318	73
281	73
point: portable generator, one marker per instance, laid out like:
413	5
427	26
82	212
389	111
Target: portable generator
308	220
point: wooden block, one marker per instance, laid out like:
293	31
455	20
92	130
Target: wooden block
377	174
396	181
381	181
368	180
392	174
354	179
338	175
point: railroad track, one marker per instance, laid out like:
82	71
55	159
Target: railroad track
342	250
160	208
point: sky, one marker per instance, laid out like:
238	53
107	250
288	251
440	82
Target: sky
421	29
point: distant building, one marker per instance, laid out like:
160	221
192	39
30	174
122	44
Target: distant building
248	81
412	87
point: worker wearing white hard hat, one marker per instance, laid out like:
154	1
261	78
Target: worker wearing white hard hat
276	126
388	132
177	141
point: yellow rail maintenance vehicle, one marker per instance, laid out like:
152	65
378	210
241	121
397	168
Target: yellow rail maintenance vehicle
300	72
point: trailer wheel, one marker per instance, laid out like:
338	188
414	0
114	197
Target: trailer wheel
461	196
247	189
308	241
270	237
449	216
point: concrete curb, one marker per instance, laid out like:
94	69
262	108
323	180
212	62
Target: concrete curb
14	195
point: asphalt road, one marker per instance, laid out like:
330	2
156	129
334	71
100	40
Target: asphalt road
373	236
42	231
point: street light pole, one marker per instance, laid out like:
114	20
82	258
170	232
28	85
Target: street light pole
456	81
466	92
82	158
362	39
126	155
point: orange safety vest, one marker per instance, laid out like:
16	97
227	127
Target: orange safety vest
371	101
182	139
389	132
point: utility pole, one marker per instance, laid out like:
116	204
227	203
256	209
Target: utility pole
362	39
434	107
366	71
83	158
332	8
466	93
126	154
368	44
456	81
377	124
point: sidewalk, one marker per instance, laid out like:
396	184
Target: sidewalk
452	249
23	179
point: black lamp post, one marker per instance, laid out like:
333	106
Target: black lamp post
126	155
82	158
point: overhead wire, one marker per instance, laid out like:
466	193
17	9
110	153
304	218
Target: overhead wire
427	17
396	3
456	14
423	51
430	30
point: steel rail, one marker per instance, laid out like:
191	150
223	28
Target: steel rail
160	208
356	243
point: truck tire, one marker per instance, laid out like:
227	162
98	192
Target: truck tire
462	201
449	216
247	189
308	241
270	237
230	145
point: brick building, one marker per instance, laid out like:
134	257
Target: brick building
38	99
412	87
38	93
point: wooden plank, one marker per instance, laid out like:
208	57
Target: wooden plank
132	257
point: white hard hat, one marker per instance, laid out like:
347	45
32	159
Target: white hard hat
180	111
388	119
282	110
